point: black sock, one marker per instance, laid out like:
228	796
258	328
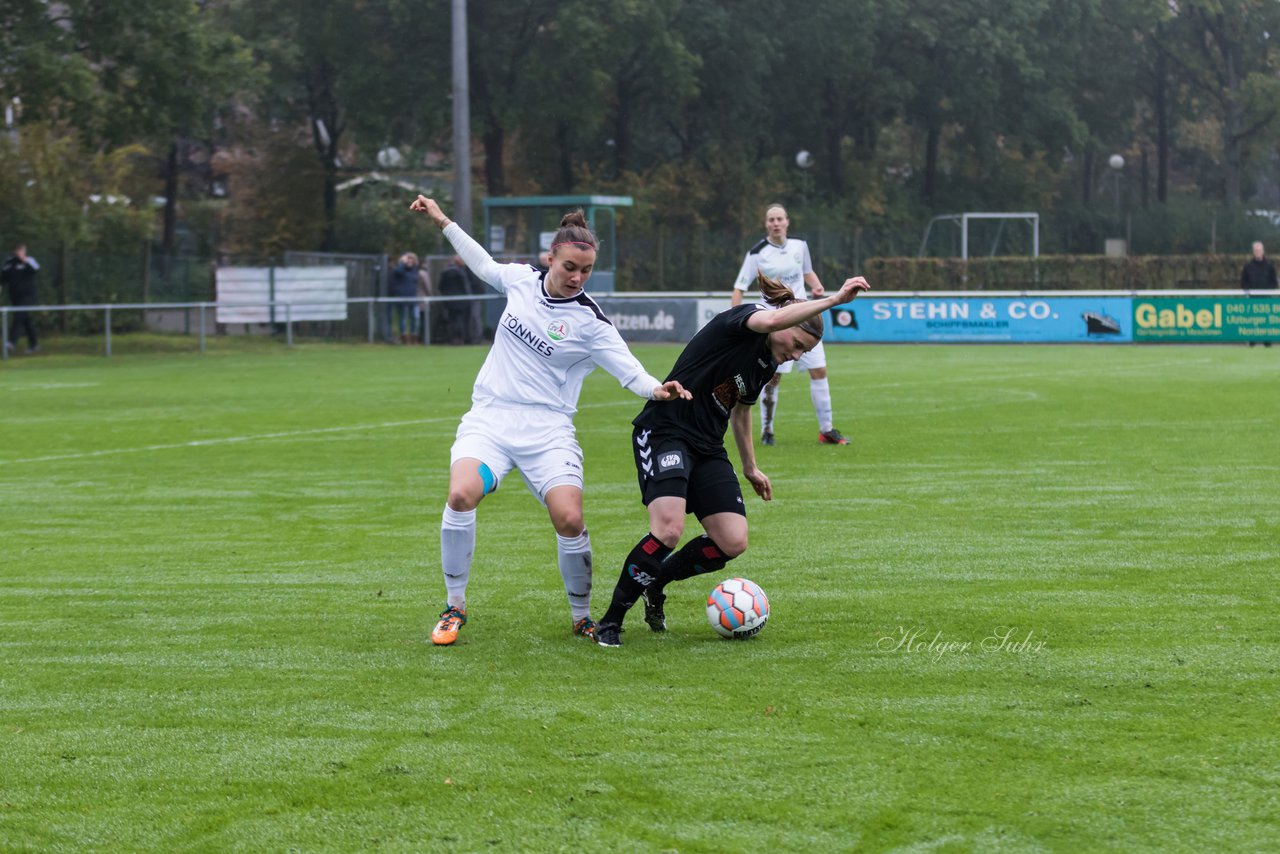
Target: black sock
699	555
640	568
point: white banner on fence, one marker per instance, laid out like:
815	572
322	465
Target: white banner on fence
312	293
709	308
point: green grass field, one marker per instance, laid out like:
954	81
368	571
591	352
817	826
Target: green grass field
218	573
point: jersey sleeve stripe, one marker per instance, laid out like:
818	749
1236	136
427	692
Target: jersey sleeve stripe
591	304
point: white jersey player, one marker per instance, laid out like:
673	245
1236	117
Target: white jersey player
787	260
550	337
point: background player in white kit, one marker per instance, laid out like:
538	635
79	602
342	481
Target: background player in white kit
787	260
550	337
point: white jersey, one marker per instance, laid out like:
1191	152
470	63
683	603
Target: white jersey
544	346
787	263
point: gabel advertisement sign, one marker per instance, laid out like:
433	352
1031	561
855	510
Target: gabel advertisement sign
1190	319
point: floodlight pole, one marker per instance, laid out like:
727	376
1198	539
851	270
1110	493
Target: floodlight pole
461	118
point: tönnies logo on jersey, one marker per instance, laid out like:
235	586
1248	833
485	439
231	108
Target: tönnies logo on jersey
527	336
669	461
557	330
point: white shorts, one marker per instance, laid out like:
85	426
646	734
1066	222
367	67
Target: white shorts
815	358
540	443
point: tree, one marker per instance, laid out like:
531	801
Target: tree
129	71
374	68
171	83
504	76
1222	49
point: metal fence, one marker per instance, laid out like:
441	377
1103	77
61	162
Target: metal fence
639	316
201	317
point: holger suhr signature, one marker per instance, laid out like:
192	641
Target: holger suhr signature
915	639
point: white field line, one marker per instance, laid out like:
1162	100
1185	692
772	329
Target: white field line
259	437
45	386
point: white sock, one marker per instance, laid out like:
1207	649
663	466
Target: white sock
457	545
820	394
575	568
767	406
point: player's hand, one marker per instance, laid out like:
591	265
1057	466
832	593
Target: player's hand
672	390
428	206
817	291
760	483
851	288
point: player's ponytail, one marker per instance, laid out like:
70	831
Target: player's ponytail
574	230
777	295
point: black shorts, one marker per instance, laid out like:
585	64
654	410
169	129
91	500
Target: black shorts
666	465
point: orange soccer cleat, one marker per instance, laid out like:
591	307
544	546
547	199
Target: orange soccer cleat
446	631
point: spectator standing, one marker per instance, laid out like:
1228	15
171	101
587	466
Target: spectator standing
404	283
454	282
1259	274
18	276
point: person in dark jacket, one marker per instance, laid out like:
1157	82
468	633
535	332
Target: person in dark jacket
18	277
403	283
457	313
1259	274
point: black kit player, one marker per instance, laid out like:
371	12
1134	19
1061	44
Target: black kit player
679	448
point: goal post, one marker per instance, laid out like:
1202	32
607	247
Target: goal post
963	220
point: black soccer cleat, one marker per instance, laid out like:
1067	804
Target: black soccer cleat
832	437
766	438
608	634
653	612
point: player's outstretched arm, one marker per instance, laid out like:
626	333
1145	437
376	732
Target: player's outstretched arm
429	207
798	312
612	353
472	253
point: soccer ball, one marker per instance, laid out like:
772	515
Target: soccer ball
737	608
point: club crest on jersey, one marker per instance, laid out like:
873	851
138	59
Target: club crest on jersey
557	330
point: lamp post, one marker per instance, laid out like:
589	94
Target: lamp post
1117	247
1116	162
461	116
805	162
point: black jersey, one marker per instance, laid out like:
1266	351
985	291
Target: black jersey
726	363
